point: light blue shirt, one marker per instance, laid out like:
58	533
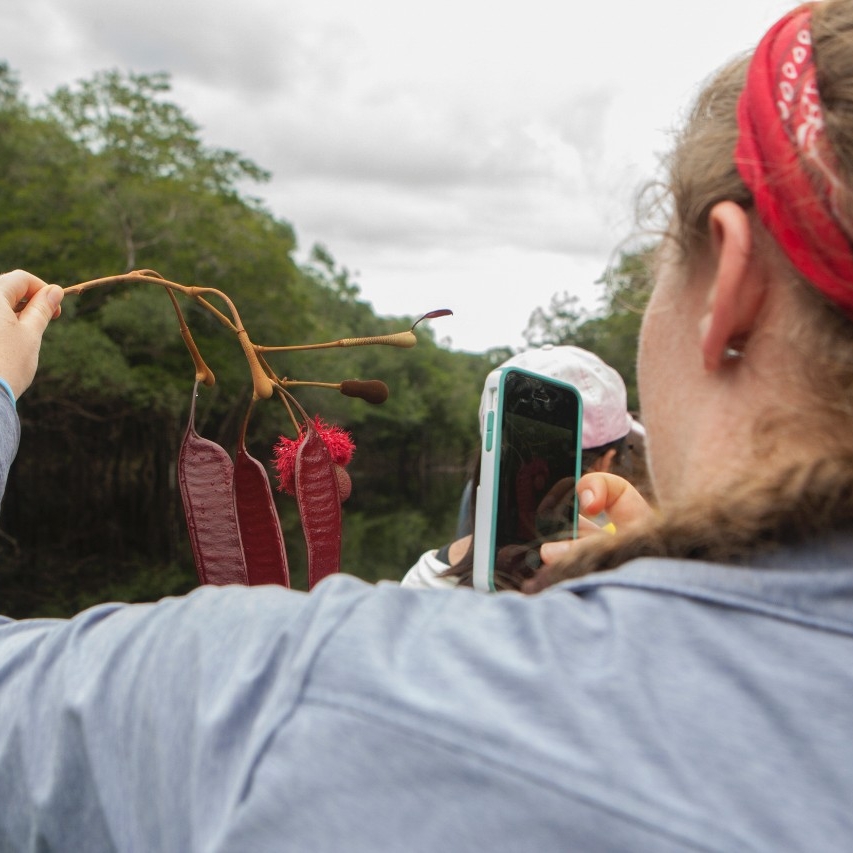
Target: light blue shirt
10	434
665	706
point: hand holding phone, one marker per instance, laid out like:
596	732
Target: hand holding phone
529	464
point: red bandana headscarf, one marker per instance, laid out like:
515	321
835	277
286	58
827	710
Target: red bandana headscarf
786	162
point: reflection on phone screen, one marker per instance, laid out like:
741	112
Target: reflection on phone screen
536	494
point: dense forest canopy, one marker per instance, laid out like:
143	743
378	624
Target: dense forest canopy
612	333
107	176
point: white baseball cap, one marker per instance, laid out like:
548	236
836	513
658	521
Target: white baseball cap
602	390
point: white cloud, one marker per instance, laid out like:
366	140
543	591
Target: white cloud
482	155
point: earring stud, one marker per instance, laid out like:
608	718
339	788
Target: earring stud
732	353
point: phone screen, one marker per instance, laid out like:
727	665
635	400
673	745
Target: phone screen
538	462
530	474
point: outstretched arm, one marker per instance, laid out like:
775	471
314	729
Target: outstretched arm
27	305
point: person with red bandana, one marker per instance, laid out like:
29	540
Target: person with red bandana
683	684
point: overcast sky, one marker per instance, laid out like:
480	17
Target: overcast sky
479	156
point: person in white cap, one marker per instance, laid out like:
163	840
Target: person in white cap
606	420
607	442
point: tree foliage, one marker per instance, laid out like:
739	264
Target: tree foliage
109	175
611	332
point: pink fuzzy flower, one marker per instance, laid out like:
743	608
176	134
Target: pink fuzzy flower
338	441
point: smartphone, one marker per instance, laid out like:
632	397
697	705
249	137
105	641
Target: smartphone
529	463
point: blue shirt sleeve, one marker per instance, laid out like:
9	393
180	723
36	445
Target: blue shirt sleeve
137	727
10	434
619	713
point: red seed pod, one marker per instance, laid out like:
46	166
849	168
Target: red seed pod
257	517
205	475
344	483
319	501
339	441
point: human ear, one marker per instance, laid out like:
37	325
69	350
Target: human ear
737	289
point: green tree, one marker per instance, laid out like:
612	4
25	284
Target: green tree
612	331
39	193
148	162
107	175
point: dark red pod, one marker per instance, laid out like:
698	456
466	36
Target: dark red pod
206	479
319	502
257	518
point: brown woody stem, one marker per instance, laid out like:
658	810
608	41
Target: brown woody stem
264	379
405	339
202	372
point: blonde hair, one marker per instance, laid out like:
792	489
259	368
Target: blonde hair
702	172
807	500
801	503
